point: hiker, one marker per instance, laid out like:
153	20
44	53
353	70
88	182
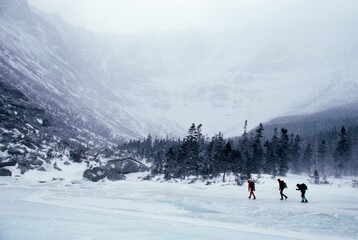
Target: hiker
251	188
302	187
282	185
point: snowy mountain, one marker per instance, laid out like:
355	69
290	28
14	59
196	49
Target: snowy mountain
39	61
322	122
159	83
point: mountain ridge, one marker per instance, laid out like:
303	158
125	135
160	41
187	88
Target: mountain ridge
130	86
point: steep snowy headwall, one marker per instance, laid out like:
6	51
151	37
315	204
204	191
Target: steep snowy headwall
132	85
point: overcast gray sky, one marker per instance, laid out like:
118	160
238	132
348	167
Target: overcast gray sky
136	16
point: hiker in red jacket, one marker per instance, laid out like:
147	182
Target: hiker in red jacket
251	188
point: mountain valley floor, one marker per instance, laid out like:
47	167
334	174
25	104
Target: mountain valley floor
61	205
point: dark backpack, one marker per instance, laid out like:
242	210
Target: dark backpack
304	187
284	185
252	186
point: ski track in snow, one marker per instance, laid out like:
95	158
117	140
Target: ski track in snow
151	210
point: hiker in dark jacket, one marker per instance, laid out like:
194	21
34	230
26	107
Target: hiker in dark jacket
282	185
251	188
302	187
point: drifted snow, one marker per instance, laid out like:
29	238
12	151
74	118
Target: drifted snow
136	209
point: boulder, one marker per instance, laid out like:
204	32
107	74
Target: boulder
95	174
76	155
126	166
107	153
17	151
46	123
113	175
56	167
23	168
29	144
36	163
115	170
8	163
23	161
5	172
9	126
3	148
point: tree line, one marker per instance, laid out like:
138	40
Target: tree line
330	153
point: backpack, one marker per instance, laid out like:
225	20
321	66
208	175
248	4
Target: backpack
304	187
252	185
284	185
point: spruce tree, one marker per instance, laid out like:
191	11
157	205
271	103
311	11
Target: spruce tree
307	159
189	154
257	151
271	154
244	149
322	155
216	156
227	159
170	163
295	154
283	150
342	153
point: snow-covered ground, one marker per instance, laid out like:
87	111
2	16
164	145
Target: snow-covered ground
33	206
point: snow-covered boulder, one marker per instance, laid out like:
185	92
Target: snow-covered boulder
127	165
5	172
23	169
115	170
95	174
7	162
113	175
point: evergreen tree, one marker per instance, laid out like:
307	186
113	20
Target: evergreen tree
342	153
316	177
267	166
158	164
147	148
322	154
271	154
354	152
307	159
170	163
295	154
244	143
216	155
283	150
257	151
244	149
227	159
189	154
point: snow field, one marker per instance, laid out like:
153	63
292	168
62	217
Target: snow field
132	209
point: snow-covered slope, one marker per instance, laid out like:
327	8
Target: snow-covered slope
56	72
132	85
